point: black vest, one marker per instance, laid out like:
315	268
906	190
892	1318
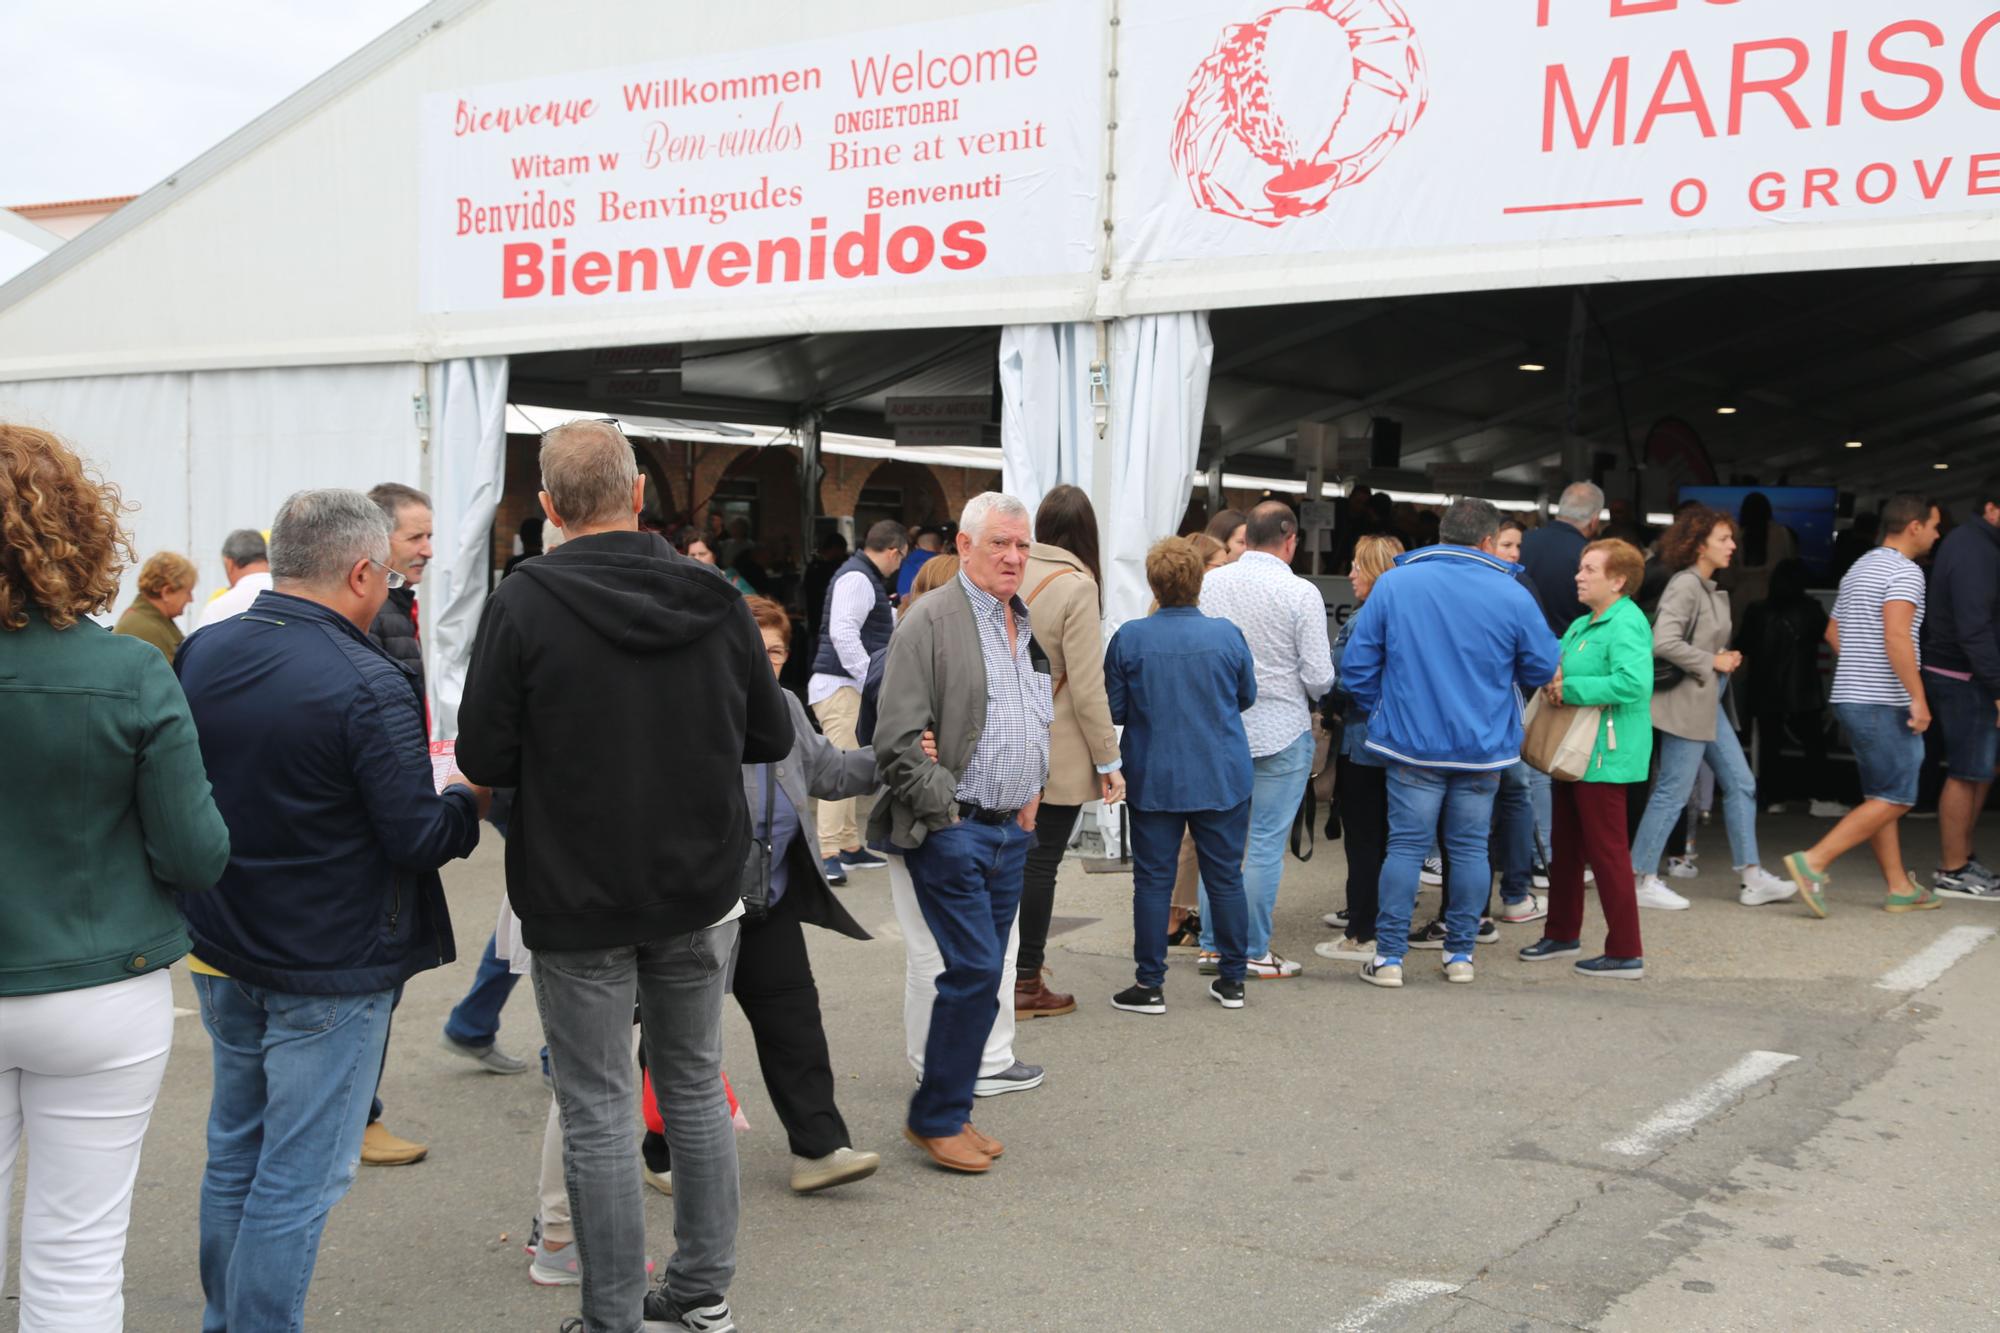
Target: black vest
875	630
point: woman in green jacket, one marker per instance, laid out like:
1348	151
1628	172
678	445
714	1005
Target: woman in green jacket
104	814
1608	664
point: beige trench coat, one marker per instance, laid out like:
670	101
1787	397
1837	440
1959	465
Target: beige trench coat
1690	628
1068	624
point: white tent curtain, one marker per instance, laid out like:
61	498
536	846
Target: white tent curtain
202	453
469	449
1048	431
1139	478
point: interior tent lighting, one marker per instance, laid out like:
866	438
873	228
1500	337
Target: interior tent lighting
1854	444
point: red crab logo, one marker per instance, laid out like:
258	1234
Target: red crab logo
1297	105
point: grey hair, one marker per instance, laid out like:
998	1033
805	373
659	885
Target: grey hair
1468	522
245	546
1581	502
989	505
319	535
588	469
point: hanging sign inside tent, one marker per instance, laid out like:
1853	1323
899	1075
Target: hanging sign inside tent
1371	127
930	153
972	407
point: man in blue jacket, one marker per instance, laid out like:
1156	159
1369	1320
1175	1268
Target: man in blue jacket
1439	658
315	743
1962	680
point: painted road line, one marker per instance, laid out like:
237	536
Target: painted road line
1398	1295
1683	1115
1931	963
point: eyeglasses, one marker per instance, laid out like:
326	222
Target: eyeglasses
394	578
612	422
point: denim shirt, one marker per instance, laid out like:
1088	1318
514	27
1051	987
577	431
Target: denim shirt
1179	682
1353	719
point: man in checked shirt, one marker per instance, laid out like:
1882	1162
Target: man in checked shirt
964	664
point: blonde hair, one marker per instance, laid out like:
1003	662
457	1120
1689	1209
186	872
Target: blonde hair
1375	555
1207	548
163	572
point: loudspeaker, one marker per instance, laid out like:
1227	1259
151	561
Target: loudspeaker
1386	443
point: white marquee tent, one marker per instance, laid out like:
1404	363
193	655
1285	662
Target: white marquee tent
331	295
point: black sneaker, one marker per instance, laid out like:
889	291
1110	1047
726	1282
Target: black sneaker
704	1314
1229	993
1145	999
836	873
861	859
1433	935
1543	950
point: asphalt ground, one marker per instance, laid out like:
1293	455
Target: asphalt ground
1534	1151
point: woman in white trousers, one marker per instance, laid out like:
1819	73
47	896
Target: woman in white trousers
922	965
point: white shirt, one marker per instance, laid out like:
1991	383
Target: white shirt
237	600
853	598
1283	619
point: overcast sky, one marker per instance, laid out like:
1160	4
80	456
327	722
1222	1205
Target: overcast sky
108	97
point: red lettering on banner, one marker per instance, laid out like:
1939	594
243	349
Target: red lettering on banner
728	264
591	273
1741	85
1611	97
1930	78
1985	174
1968	64
1931	184
1883	195
1820	181
1679	66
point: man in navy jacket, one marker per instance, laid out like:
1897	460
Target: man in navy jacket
1962	679
1438	659
315	744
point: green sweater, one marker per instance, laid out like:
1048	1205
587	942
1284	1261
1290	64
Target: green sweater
104	809
1608	663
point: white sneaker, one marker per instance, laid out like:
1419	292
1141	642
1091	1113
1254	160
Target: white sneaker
1775	808
1346	950
1683	867
1828	810
838	1167
1760	886
1589	875
1654	893
1532	908
1432	872
1337	920
1271	968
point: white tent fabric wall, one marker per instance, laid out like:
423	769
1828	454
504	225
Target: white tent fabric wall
469	443
132	430
1048	431
1157	390
206	452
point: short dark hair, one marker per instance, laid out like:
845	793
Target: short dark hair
1270	524
887	535
1902	510
245	546
393	497
1174	569
1692	527
1468	522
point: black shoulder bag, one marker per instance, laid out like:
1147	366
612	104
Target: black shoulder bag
757	870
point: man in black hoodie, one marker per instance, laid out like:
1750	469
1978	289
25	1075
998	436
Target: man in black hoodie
620	687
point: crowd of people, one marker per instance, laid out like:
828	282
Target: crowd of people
259	798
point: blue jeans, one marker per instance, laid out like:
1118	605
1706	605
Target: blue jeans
1964	713
292	1078
1514	834
586	998
1680	761
1278	785
1542	796
967	879
1219	836
1889	755
476	1020
1417	796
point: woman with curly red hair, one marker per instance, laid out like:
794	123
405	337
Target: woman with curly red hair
105	814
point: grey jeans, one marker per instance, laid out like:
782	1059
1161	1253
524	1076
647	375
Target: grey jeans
586	1000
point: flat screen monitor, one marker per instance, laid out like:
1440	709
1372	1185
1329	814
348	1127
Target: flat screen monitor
1807	510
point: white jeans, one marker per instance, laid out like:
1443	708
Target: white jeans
922	964
79	1071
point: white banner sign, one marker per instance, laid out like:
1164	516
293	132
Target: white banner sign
1358	127
950	151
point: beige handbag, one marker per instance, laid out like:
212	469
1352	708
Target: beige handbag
1560	739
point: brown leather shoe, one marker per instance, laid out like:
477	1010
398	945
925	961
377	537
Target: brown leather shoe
1034	999
991	1147
381	1148
957	1153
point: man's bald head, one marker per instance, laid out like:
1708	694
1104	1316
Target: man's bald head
1272	524
589	475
